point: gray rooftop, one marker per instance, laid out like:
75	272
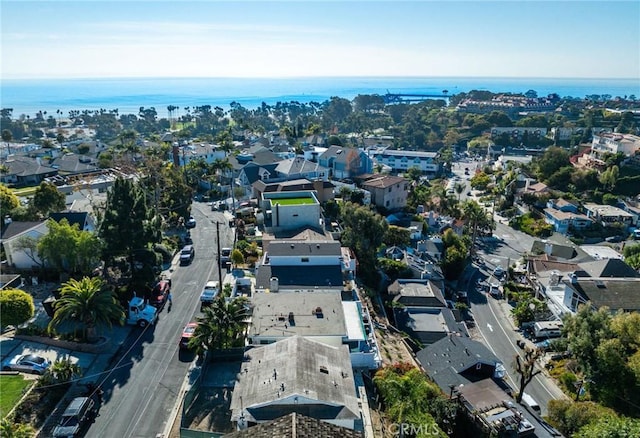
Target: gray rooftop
300	277
295	426
417	293
304	249
292	375
614	293
271	314
609	268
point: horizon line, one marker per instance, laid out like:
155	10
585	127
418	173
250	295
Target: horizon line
60	78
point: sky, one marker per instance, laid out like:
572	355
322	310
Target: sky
158	38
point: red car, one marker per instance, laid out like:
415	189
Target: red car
159	294
187	333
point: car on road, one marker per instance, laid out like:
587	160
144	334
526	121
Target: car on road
27	363
77	414
209	293
191	222
187	333
187	254
225	256
498	272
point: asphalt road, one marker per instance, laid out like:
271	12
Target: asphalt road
142	388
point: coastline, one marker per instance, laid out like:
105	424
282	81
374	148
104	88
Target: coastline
127	95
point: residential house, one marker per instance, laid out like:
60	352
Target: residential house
13	234
298	167
201	151
458	360
608	214
295	425
606	143
518	132
26	171
317	314
345	162
291	210
423	313
389	192
564	215
296	375
469	371
401	161
324	189
553	249
82	219
74	164
289	264
433	248
617	294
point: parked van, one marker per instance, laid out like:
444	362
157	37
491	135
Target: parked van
529	401
547	329
75	417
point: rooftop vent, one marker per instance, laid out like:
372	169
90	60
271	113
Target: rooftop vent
324	369
318	312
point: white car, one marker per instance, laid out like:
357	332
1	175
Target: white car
27	363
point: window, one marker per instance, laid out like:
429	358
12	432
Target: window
304	259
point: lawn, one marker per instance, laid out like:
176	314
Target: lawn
293	201
11	389
25	191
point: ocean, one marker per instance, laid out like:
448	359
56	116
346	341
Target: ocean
128	95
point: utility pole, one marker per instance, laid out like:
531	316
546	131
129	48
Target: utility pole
218	257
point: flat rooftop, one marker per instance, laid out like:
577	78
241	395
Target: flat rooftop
297	313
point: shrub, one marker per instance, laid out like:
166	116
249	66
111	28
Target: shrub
16	307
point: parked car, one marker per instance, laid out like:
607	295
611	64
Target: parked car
27	363
498	272
210	291
187	334
191	222
77	414
187	254
545	345
159	294
225	256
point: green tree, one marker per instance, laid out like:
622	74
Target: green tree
551	161
397	236
48	199
7	136
16	307
525	366
63	370
609	177
569	416
611	427
128	227
68	249
364	231
222	325
480	181
8	200
477	218
237	258
88	303
9	429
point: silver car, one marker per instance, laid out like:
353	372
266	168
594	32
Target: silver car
27	363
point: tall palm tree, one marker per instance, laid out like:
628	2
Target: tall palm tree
222	325
88	303
459	188
477	217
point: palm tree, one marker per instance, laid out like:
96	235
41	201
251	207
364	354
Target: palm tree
63	370
7	136
88	303
477	217
459	188
222	325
